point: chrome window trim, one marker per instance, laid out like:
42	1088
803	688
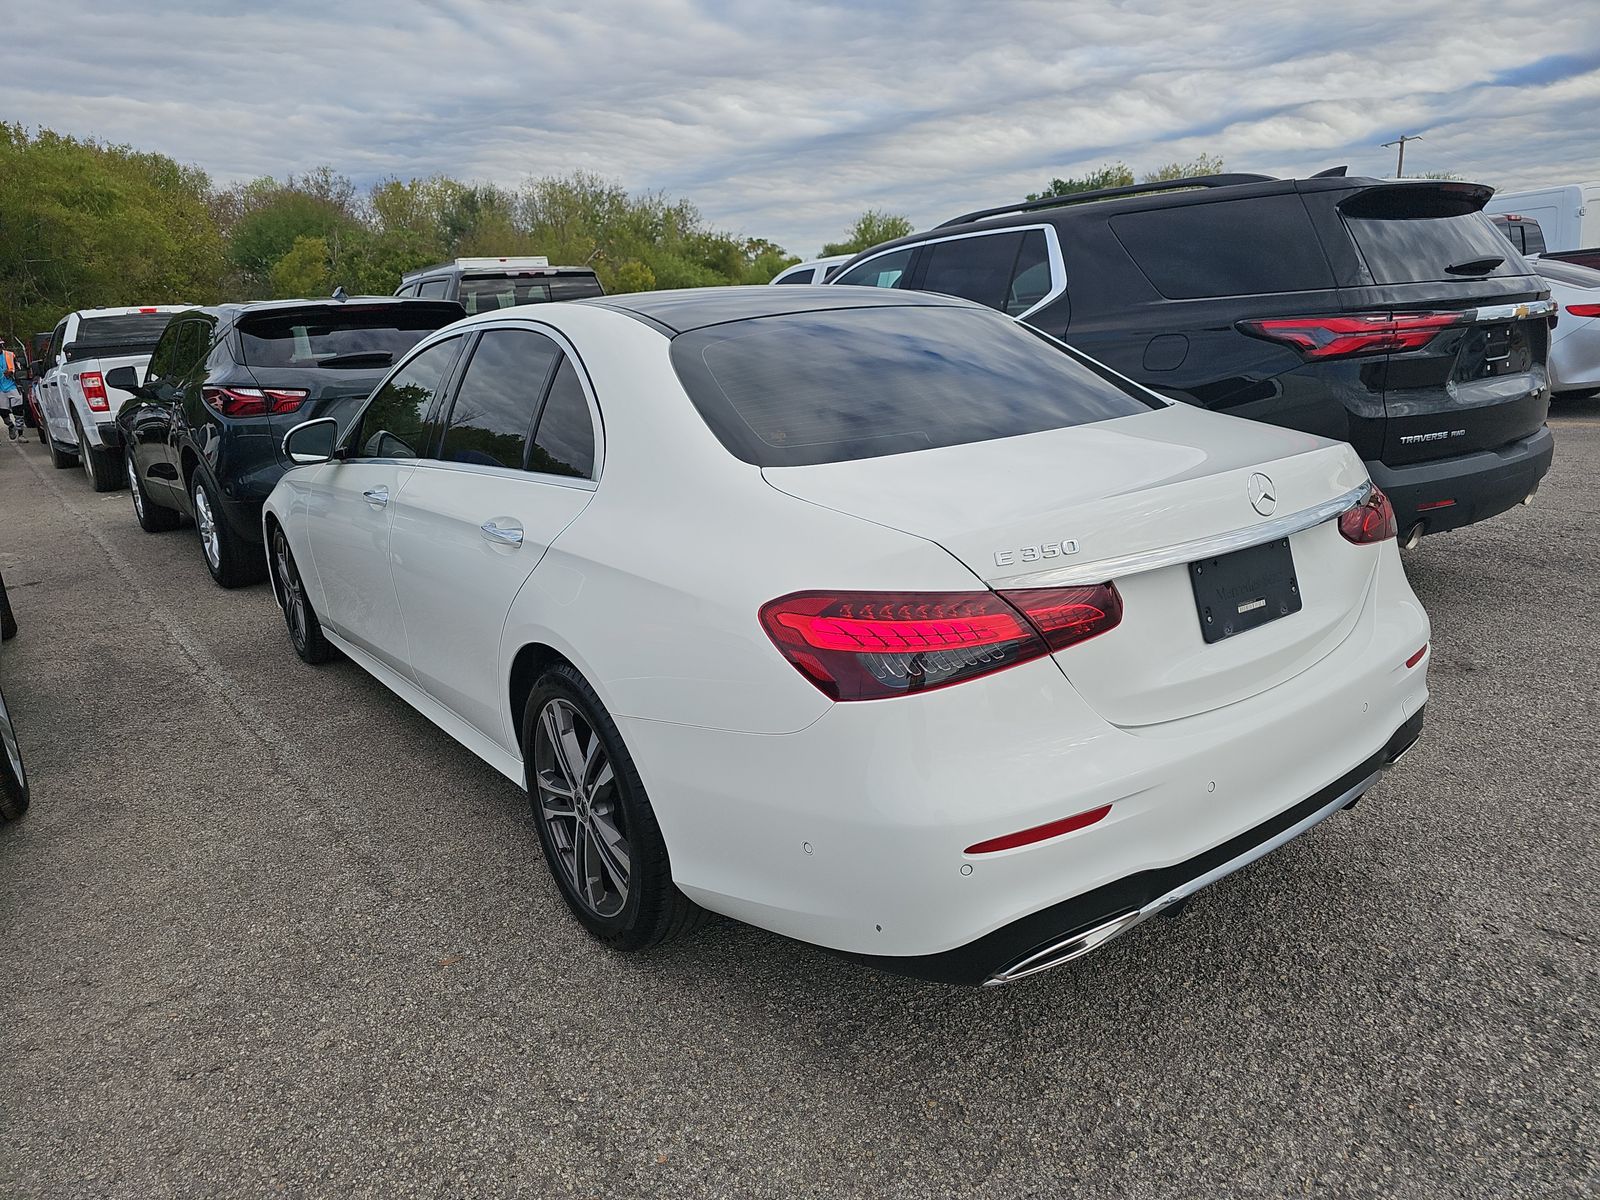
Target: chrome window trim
1515	312
1058	264
1122	565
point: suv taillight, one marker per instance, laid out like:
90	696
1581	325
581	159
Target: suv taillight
94	391
253	402
872	645
1370	522
1351	335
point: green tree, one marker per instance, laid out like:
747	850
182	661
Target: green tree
1204	164
304	271
871	227
1110	175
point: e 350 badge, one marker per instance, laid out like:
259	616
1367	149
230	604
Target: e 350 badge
1028	554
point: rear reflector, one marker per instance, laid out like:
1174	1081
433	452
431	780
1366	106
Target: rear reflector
1417	657
873	645
253	402
1370	522
1584	310
1430	505
94	391
1039	833
1353	334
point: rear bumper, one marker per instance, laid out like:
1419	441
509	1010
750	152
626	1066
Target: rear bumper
1482	484
103	435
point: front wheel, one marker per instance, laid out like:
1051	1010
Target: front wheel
13	775
305	630
228	558
153	517
599	833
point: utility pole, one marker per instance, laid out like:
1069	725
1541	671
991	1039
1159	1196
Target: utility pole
1400	167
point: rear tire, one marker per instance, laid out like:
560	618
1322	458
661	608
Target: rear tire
152	517
60	459
305	630
226	554
599	833
103	468
13	775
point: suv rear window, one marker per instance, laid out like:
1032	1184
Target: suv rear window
851	383
487	293
341	338
1413	234
132	329
1226	248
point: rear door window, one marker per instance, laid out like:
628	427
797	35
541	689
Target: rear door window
1031	279
979	268
1226	248
842	384
395	421
498	398
885	270
564	443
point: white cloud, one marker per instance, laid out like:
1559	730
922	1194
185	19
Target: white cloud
786	121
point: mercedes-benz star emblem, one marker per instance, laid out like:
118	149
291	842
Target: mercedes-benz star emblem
1263	495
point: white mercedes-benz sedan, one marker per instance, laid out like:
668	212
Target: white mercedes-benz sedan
872	618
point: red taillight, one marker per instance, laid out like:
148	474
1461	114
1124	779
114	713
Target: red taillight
1430	505
94	391
1417	657
1353	334
871	645
1370	522
253	402
1039	833
1584	310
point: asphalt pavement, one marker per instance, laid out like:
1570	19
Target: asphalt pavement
267	932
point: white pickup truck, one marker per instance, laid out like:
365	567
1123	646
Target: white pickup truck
78	406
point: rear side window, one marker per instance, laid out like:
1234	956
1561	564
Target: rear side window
843	384
1030	279
564	443
885	271
433	289
1415	234
337	337
1226	248
394	423
498	397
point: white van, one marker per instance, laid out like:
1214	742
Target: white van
1568	215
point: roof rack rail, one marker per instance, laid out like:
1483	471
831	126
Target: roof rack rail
1136	189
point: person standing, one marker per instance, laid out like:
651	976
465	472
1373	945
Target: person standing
11	401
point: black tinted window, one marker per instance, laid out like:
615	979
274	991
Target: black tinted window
974	268
1411	233
130	330
337	337
1030	278
854	383
804	276
564	444
487	293
498	397
161	359
1229	248
394	422
886	270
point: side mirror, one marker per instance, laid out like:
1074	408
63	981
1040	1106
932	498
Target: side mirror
311	441
124	379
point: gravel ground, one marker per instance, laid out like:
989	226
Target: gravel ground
268	932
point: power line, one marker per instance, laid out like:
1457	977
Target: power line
1400	166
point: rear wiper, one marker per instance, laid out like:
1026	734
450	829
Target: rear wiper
360	358
1475	266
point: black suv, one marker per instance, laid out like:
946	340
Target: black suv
1391	315
203	433
488	284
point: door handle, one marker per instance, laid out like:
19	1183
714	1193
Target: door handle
378	496
503	536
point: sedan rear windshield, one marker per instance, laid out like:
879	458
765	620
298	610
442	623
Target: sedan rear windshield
340	338
851	383
486	293
129	331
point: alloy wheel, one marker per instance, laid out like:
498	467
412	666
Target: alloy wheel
133	486
581	808
8	737
294	592
210	540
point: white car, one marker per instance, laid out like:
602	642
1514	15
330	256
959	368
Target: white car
869	617
1575	342
818	270
78	405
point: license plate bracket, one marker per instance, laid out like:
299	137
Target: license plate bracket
1235	593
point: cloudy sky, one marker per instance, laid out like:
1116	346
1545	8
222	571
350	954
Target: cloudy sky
786	120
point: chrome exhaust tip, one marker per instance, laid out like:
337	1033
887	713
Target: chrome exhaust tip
1413	537
1528	499
1059	953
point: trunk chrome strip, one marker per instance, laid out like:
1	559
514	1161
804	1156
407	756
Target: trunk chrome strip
1270	530
1514	312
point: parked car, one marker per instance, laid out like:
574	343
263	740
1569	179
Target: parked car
1575	347
1567	215
490	284
77	400
818	270
202	434
1389	315
868	617
1522	232
13	773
